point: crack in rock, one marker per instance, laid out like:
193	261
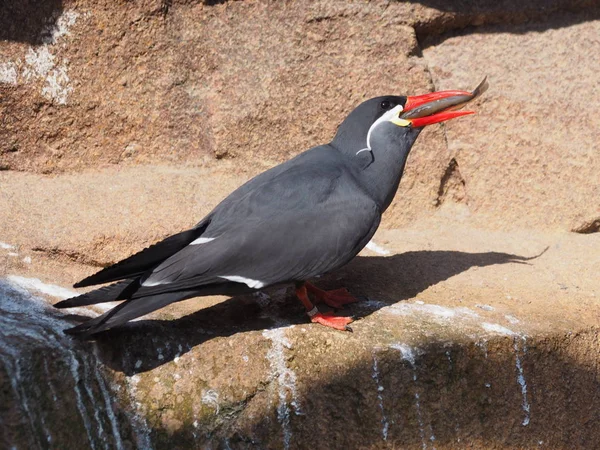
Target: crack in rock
452	185
589	227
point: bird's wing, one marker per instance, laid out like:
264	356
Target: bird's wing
306	220
139	263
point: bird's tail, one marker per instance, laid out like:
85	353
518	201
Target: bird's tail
117	291
126	311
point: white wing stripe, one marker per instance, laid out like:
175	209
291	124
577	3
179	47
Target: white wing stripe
255	284
148	283
201	240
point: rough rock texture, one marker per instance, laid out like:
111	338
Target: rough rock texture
125	209
531	153
124	122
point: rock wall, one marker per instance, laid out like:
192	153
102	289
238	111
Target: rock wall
90	84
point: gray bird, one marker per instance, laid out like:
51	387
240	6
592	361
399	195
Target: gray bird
303	218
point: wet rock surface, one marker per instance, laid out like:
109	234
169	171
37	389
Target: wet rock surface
483	340
478	321
54	392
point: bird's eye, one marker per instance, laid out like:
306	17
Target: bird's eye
385	105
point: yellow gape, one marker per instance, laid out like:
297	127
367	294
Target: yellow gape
401	122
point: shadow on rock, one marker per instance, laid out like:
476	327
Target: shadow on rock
382	281
387	280
28	21
510	16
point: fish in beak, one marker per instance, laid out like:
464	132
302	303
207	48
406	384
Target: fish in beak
436	107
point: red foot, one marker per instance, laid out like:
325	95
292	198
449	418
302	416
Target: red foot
336	298
339	323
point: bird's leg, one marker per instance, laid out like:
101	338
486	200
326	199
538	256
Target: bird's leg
336	298
339	323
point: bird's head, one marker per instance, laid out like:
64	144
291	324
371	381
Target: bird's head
400	118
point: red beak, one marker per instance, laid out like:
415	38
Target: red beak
427	109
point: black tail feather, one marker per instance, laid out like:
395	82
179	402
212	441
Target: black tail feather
127	311
118	291
137	264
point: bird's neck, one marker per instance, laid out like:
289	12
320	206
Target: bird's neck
381	177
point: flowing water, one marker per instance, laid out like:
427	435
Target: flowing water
53	391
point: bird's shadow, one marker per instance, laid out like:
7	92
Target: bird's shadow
382	281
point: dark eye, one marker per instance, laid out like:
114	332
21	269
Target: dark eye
385	105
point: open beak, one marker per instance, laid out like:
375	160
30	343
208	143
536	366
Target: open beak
436	107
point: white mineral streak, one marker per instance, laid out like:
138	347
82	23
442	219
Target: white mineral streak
485	307
408	355
513	320
42	64
449	358
385	425
8	75
50	384
27	318
138	419
10	361
437	312
286	380
451	369
112	418
57	85
211	398
522	382
196	425
39	63
39	286
484	346
498	329
100	427
51	34
521	379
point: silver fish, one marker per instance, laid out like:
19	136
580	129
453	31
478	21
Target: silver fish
449	103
